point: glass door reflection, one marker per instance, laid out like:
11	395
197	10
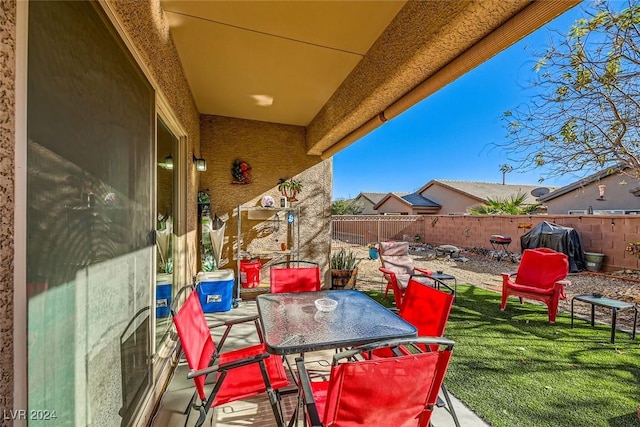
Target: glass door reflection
166	151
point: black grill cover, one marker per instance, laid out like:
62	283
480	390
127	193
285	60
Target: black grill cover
560	239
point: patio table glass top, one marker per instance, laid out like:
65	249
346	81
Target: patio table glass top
292	324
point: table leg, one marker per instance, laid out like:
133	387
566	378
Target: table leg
593	315
635	320
614	316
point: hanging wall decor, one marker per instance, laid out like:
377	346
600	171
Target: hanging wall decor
241	172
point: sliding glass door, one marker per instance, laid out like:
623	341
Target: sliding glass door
90	220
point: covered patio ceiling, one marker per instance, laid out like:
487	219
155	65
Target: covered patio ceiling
338	68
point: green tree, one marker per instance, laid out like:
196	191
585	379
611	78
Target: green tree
346	207
513	205
585	115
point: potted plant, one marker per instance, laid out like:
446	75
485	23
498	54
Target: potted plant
344	269
290	188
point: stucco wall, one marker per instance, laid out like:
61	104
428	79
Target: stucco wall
273	151
451	201
393	205
617	196
7	151
606	234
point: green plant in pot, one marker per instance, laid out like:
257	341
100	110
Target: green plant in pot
289	188
344	269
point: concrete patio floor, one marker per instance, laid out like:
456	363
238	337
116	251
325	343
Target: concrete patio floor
257	411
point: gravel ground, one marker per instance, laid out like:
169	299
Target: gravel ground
485	273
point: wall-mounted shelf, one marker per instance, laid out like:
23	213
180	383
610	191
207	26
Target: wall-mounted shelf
261	233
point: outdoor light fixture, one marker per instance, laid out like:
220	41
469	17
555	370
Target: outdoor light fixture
201	164
168	163
601	190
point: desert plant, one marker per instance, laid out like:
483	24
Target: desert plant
344	260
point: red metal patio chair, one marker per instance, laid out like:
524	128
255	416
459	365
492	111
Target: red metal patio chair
239	374
353	396
295	276
428	310
539	277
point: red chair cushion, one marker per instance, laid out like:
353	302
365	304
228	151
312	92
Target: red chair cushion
246	381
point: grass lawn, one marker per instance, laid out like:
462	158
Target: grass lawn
514	368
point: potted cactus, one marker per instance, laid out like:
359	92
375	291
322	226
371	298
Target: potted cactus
344	269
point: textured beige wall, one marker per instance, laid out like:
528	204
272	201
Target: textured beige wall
272	151
451	201
7	146
392	205
617	196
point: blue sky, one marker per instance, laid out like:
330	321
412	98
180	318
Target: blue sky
447	135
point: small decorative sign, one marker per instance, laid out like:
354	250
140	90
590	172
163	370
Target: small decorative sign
525	225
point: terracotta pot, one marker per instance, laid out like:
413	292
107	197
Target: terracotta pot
343	279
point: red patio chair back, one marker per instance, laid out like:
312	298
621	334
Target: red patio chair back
542	268
426	308
195	337
295	276
353	395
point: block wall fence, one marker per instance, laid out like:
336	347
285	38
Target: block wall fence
606	234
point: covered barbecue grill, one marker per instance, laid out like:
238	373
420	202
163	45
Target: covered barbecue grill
560	239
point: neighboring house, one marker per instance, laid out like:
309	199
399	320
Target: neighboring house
619	195
444	197
407	204
369	200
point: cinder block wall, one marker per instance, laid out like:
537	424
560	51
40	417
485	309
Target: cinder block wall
606	234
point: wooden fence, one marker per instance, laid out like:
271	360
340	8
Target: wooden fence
606	234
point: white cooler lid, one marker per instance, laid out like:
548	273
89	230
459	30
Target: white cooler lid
164	278
217	275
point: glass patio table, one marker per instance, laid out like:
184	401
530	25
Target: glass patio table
292	324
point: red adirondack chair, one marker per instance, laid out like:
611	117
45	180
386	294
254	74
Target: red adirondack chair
539	277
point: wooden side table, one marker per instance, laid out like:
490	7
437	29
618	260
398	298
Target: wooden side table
613	304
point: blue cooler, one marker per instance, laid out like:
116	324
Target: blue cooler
163	295
215	289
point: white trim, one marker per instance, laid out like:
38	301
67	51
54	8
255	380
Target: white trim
20	214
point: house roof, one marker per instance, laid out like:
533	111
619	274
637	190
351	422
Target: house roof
375	197
583	182
413	199
417	200
486	190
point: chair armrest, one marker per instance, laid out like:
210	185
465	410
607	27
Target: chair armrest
423	271
230	323
560	288
509	273
307	394
227	366
387	271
